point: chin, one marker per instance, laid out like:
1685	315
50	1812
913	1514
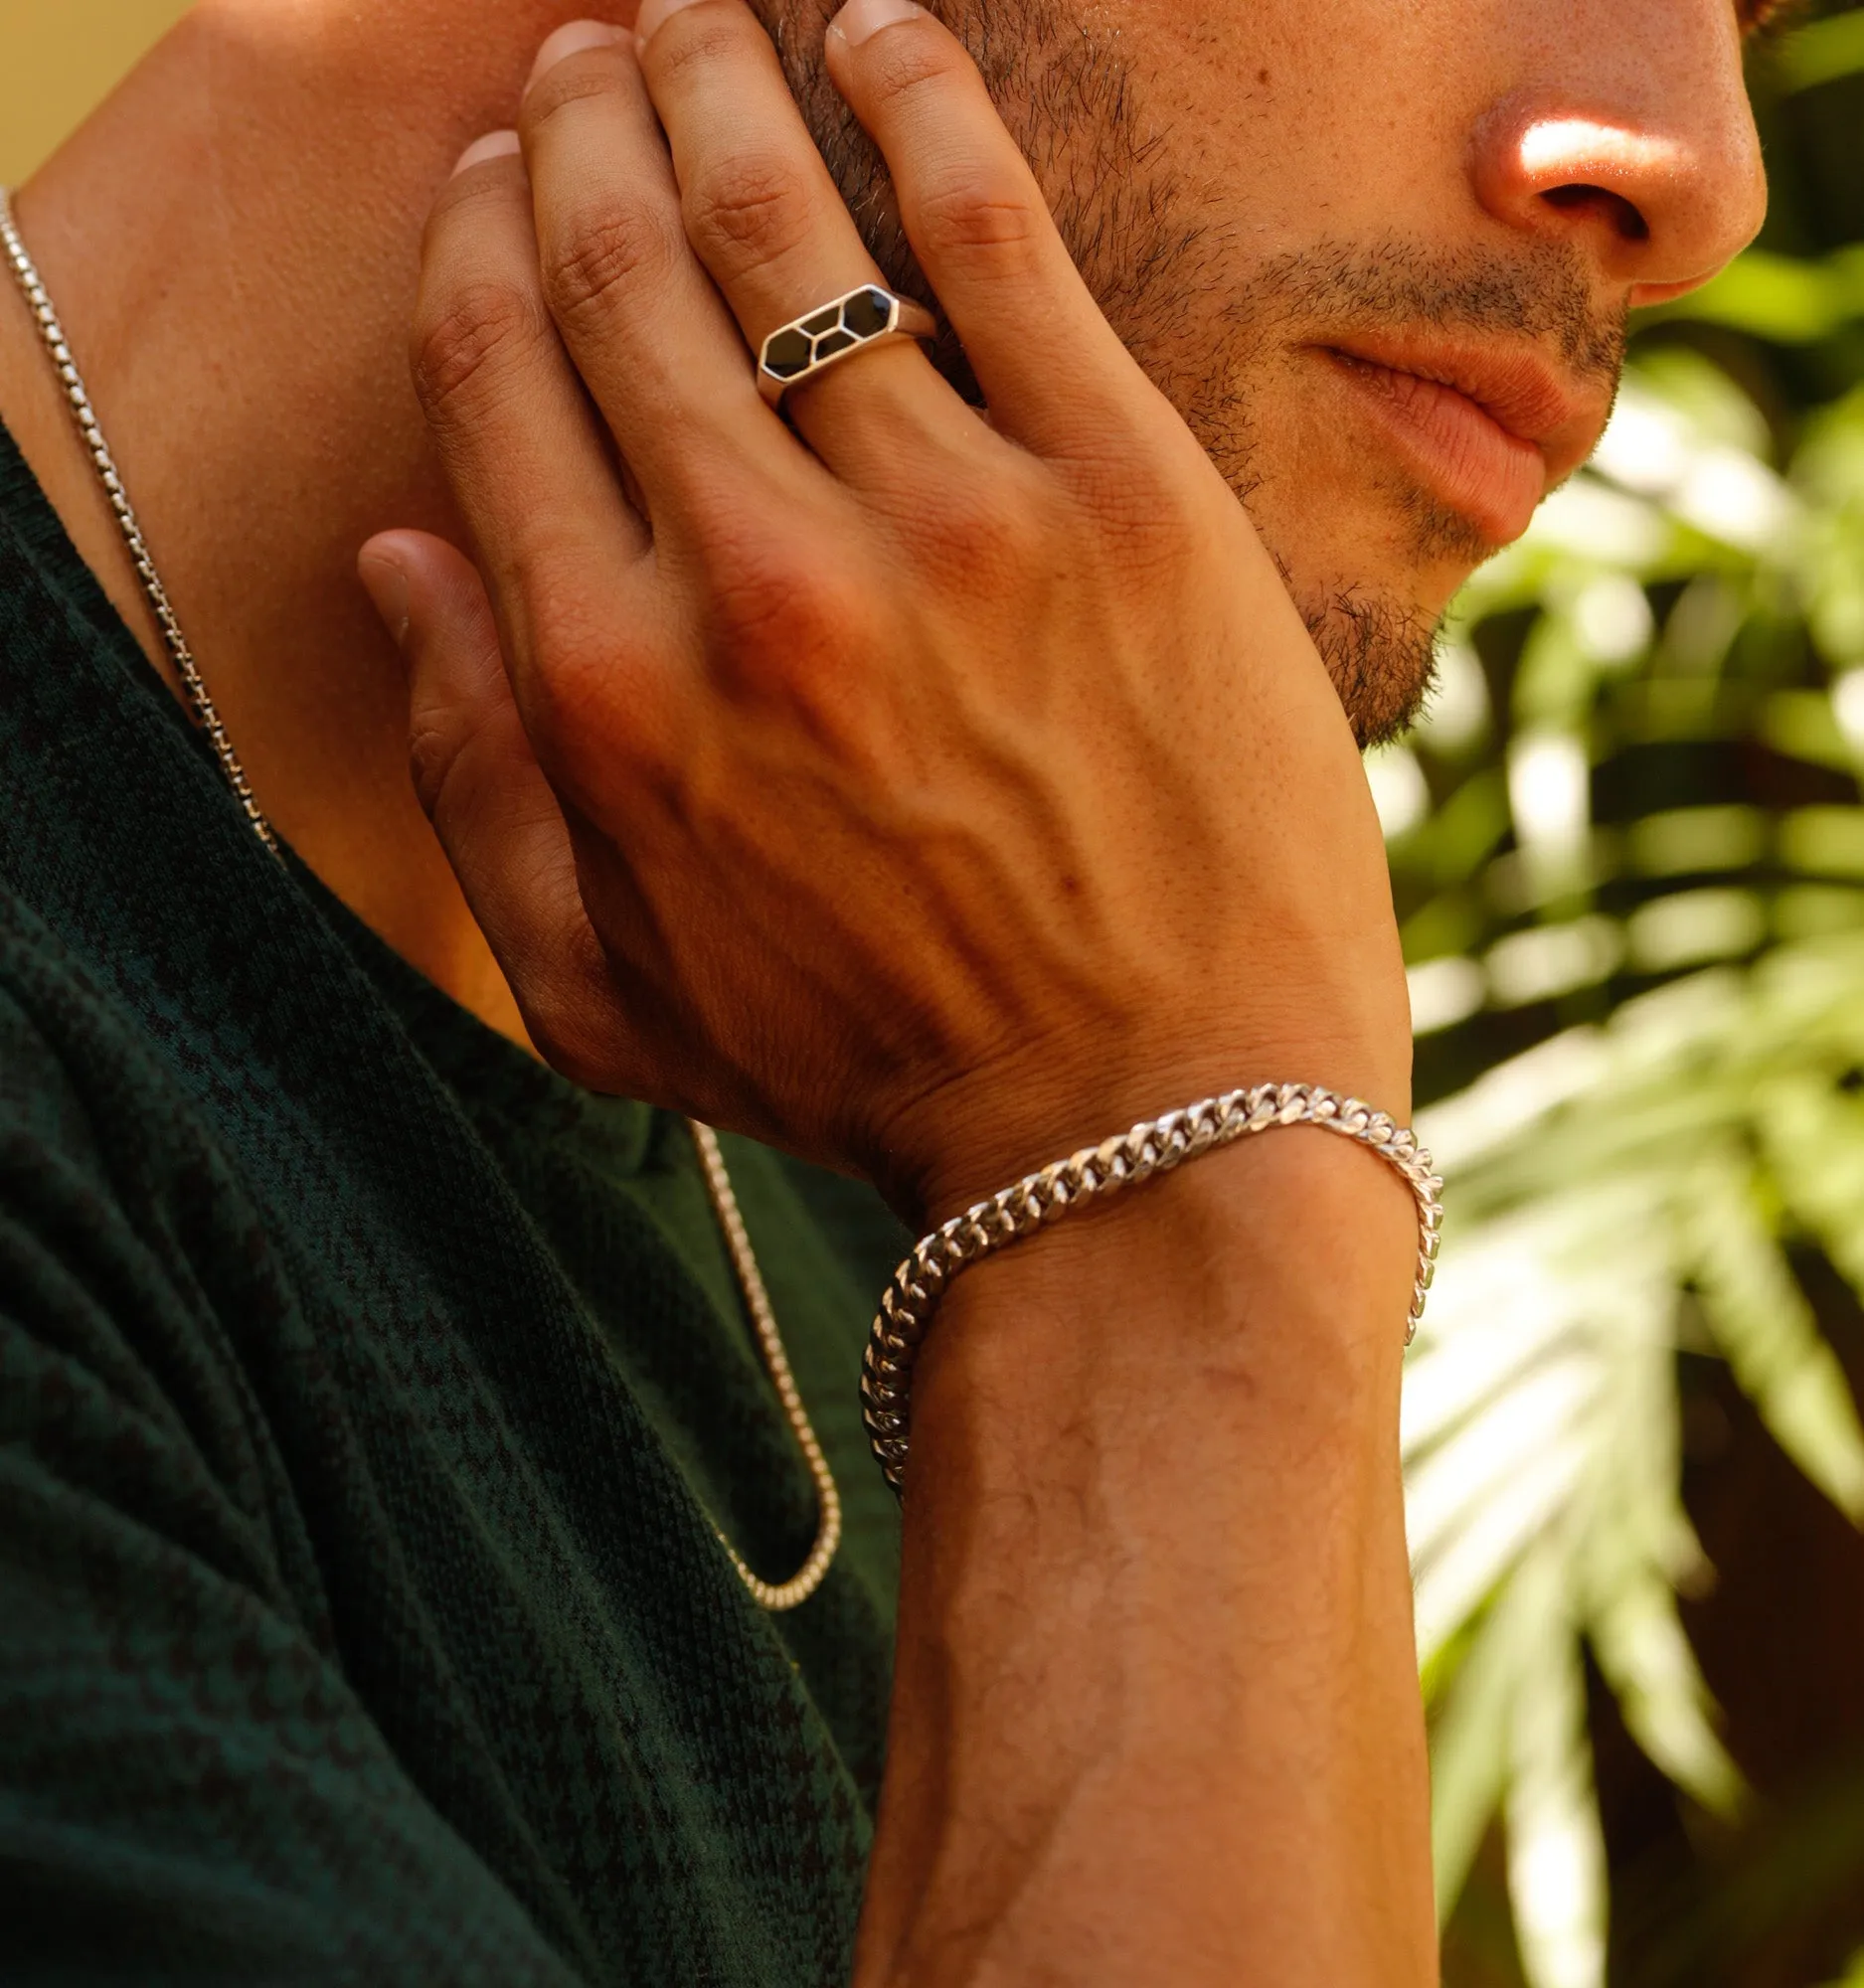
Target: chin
1372	571
1375	621
1379	651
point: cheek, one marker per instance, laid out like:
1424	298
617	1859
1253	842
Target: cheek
1305	117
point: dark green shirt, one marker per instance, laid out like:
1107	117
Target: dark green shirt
367	1398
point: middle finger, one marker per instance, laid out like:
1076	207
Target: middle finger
647	333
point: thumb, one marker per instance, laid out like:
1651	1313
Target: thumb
493	810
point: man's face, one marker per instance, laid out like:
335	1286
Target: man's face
1379	253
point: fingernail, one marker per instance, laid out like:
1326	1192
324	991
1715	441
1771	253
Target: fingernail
495	145
861	19
570	39
386	586
652	13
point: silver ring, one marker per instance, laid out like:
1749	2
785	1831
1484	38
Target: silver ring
832	332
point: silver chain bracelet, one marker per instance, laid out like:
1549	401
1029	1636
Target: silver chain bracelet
1149	1150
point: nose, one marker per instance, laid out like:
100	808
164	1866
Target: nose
1643	155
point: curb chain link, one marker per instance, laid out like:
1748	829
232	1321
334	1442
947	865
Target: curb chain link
1124	1161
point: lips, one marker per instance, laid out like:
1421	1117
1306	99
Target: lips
1487	432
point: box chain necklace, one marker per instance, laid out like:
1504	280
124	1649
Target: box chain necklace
773	1595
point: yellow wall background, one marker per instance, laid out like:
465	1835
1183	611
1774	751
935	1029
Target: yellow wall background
58	58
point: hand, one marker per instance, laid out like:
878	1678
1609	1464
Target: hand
923	792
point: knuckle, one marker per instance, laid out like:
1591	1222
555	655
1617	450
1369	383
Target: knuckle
593	706
709	40
562	88
575	662
902	64
747	211
997	539
458	210
781	613
964	215
626	244
569	1015
468	342
438	757
1137	495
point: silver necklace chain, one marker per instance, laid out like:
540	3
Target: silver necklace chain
773	1595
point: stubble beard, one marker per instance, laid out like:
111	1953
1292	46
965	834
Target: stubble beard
1201	322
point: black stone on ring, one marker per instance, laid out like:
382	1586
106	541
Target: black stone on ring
807	345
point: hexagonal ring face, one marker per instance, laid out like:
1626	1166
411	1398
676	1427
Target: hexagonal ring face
835	331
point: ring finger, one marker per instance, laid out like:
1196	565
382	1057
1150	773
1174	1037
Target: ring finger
771	227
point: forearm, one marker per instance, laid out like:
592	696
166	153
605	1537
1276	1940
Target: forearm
832	792
1156	1714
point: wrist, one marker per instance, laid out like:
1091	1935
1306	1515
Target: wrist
1262	1287
984	1131
1155	1498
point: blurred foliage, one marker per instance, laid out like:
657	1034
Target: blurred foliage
1623	1191
1627	850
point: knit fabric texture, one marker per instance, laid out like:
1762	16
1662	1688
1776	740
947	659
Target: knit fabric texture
369	1397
